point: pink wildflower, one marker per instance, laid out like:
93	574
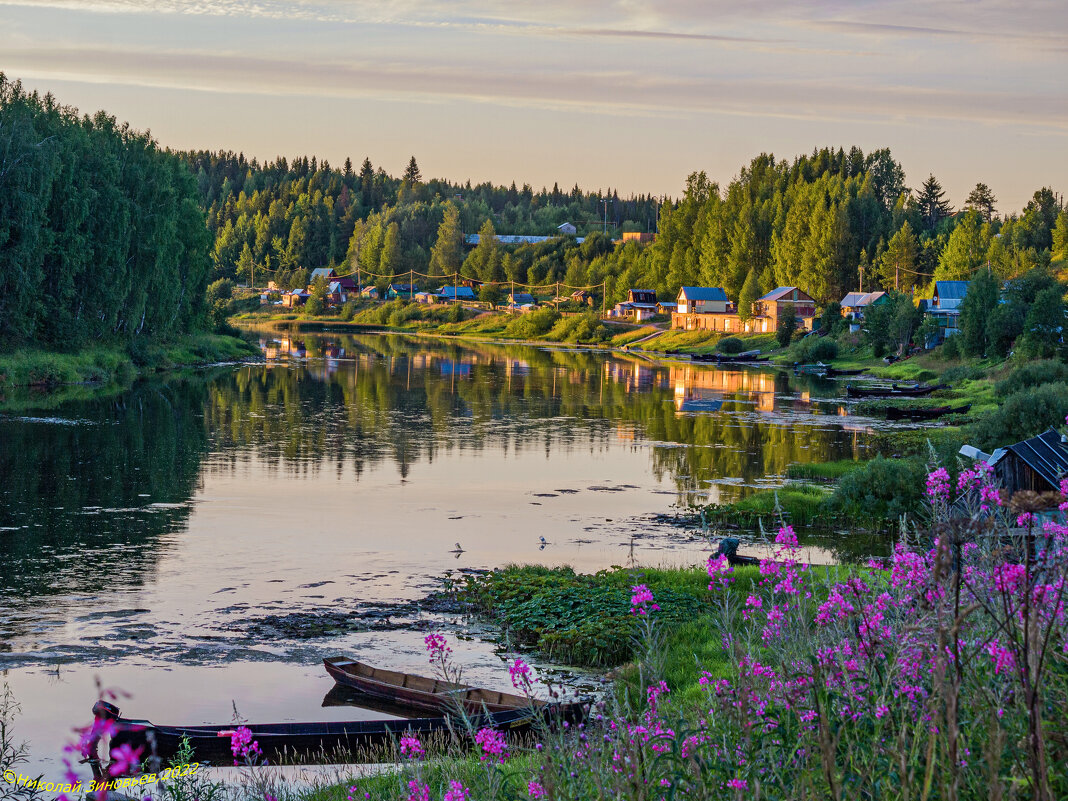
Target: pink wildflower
521	674
938	486
493	744
124	759
411	747
242	745
641	600
535	790
457	792
437	647
418	791
737	784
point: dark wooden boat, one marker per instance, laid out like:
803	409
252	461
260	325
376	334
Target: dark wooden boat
893	391
729	547
834	372
897	413
748	357
420	692
321	742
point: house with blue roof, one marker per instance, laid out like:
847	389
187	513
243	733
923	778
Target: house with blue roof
453	293
944	308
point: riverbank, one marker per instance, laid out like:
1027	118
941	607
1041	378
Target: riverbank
30	377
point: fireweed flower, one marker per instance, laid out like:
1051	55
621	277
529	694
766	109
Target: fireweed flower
719	570
418	791
124	759
456	792
493	745
535	790
242	745
641	600
411	747
938	486
437	647
521	674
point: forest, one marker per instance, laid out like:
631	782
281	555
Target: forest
828	222
102	236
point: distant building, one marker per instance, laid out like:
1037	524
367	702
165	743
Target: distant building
770	307
516	239
453	293
1037	464
944	308
322	272
404	291
855	304
708	309
521	299
336	294
298	297
640	238
346	283
666	308
426	298
567	229
370	293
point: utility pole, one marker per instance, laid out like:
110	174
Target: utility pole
860	269
511	298
604	297
411	285
605	202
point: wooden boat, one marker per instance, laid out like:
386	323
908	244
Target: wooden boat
421	692
811	369
834	372
893	391
748	357
321	742
897	413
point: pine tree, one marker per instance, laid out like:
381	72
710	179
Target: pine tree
982	200
447	254
412	175
932	203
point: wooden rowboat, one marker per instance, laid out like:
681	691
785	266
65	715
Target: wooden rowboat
322	742
897	413
420	692
893	391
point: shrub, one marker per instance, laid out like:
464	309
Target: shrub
951	349
730	345
817	349
348	311
786	326
1023	415
882	489
533	324
1033	374
962	372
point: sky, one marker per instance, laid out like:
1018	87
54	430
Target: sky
631	95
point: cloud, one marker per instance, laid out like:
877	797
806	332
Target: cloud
591	90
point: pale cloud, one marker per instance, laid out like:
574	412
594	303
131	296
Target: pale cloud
789	71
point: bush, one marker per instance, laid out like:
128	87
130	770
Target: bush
730	345
786	326
951	349
348	311
1023	415
962	373
533	324
1033	374
882	489
817	349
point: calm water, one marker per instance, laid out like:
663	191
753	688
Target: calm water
148	538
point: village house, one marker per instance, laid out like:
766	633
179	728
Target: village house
1037	464
426	298
944	308
298	297
336	295
640	304
404	291
322	272
454	293
639	238
519	299
567	229
769	308
370	293
708	309
854	304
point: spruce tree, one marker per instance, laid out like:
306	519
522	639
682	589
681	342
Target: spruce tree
982	200
932	203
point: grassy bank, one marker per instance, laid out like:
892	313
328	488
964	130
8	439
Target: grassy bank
93	368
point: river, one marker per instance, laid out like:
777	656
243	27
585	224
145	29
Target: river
164	541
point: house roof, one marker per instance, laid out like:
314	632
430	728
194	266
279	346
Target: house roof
703	293
457	292
325	272
334	287
951	290
854	299
522	297
781	292
1046	454
402	287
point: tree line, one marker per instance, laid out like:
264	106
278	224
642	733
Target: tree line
102	234
830	222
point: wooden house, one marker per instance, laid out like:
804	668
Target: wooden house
771	306
1037	464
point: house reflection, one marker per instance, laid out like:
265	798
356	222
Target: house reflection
699	388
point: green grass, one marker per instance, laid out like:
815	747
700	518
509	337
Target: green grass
625	338
26	373
823	471
800	504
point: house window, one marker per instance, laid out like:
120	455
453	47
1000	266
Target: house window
726	325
